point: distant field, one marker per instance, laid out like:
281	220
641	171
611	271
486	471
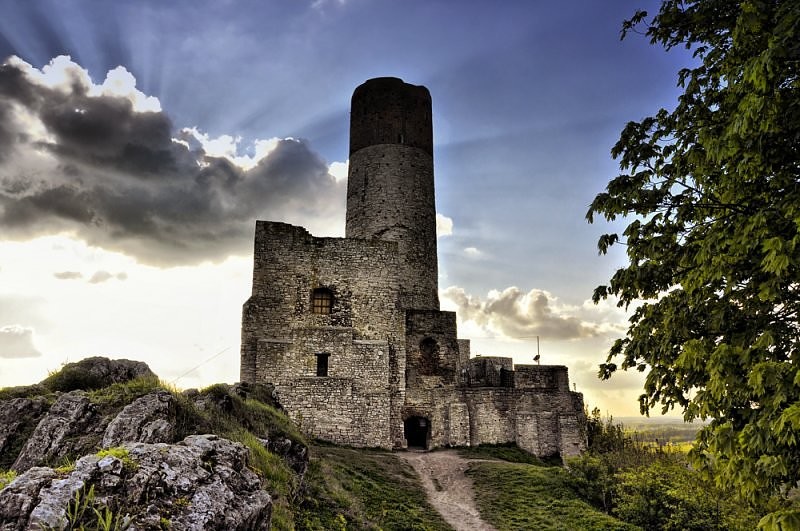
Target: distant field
663	430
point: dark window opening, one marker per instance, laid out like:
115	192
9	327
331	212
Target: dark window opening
321	301
416	430
322	363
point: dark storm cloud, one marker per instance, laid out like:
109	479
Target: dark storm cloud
115	176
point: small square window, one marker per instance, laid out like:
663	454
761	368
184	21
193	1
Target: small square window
321	301
322	363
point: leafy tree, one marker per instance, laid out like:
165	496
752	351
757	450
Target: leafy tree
711	192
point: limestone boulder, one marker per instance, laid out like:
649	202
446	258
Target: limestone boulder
71	426
18	417
146	419
203	482
95	373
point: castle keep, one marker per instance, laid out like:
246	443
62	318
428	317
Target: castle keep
349	330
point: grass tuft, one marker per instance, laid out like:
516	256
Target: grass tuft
6	477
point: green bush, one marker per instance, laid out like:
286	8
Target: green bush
592	478
649	485
669	496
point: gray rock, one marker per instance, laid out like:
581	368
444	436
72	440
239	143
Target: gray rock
201	483
113	371
51	511
17	414
146	419
96	372
66	429
19	497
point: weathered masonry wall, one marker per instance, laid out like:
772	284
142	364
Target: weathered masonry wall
542	422
289	264
390	191
386	110
360	397
432	350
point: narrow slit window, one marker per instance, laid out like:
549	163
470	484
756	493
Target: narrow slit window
322	363
321	301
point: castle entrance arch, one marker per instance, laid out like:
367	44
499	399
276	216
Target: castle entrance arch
417	432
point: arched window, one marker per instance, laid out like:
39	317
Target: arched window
321	301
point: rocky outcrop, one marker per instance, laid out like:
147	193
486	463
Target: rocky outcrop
146	419
294	453
99	372
18	416
70	426
123	450
202	482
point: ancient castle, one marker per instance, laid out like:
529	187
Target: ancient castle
349	330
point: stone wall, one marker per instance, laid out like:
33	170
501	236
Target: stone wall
387	110
490	371
542	422
390	191
432	350
289	264
390	197
541	377
358	401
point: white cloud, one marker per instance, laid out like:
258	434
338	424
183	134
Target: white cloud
228	146
63	74
511	313
68	275
444	225
16	341
339	170
121	83
473	252
100	276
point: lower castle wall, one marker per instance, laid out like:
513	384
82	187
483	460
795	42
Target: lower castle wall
543	423
336	409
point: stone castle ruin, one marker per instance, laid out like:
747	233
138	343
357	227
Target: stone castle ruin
349	330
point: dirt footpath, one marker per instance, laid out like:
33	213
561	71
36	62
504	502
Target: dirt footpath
449	490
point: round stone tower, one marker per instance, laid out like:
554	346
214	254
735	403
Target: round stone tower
390	182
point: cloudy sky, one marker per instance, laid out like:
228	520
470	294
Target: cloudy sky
140	141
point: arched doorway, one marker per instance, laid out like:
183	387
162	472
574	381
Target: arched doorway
417	430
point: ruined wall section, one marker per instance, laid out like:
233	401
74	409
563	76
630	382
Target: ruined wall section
390	185
432	348
544	420
360	397
541	377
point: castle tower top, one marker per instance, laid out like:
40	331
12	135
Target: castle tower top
385	110
390	192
